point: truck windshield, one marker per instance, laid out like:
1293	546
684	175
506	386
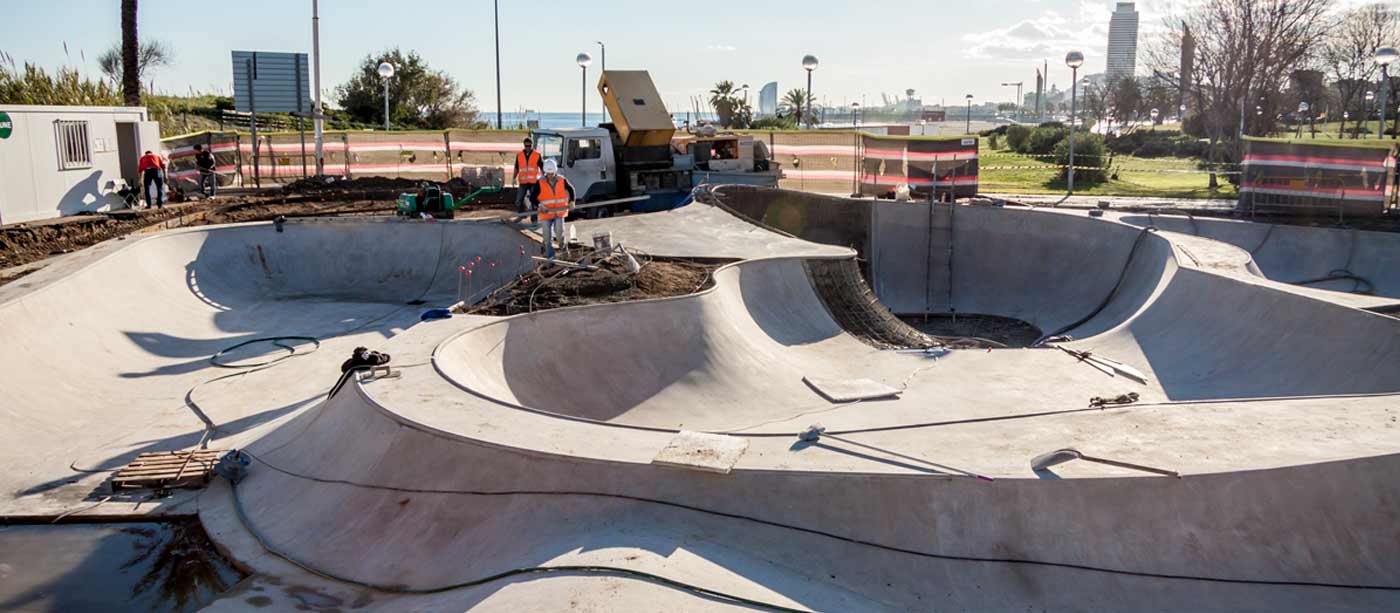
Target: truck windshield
550	146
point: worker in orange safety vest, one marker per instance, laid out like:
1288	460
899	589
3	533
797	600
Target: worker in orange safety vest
553	197
528	165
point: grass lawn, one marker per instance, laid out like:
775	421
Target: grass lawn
1149	177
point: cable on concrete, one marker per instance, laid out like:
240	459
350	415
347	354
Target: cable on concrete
765	522
274	340
1118	285
590	569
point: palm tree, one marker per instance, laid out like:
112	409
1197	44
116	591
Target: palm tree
794	103
131	51
722	100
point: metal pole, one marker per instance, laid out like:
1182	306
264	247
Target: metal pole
583	88
1385	87
253	115
808	115
1073	108
316	81
603	55
497	14
386	105
967	129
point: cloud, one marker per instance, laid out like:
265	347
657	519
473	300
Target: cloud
721	48
1048	35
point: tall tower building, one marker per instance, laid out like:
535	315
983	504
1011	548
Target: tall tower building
1122	41
768	100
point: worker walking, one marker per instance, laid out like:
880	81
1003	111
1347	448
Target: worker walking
204	161
528	167
151	167
554	197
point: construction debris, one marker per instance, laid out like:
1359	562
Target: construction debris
594	277
164	470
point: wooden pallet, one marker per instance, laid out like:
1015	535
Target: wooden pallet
168	469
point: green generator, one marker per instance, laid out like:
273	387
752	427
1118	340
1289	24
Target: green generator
429	199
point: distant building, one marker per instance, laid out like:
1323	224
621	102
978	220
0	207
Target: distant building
768	100
1122	41
1188	64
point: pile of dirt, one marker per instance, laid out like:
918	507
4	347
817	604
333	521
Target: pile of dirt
383	187
362	184
24	243
552	286
961	331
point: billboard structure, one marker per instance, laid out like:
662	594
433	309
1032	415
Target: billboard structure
272	83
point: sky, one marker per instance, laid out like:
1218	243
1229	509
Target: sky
943	49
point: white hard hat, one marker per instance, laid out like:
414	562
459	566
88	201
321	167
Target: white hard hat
551	167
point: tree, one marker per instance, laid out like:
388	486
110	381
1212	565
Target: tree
1124	99
1244	51
795	104
153	54
419	97
725	102
1347	55
131	66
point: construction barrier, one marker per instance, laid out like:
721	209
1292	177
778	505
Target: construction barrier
1343	178
846	162
826	161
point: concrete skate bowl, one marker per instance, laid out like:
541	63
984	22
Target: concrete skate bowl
1201	335
1340	260
134	326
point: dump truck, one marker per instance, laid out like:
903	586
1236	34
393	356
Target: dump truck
638	154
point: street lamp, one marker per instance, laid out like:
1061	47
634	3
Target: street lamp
1303	110
1154	114
967	129
386	72
603	60
1384	56
584	61
1073	59
809	63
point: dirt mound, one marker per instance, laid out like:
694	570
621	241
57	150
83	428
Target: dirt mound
552	286
362	184
25	243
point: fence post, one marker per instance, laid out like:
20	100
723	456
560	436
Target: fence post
345	152
447	147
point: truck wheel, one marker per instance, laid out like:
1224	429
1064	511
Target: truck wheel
600	212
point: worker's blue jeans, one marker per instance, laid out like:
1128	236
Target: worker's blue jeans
208	184
152	177
548	230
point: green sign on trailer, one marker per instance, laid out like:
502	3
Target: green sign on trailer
7	125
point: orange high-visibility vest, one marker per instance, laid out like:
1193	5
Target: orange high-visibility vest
554	198
529	167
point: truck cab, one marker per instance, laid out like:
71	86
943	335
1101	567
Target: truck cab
586	158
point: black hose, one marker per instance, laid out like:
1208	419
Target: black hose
1122	275
275	340
1362	285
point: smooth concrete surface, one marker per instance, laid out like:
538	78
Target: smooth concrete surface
1291	254
527	441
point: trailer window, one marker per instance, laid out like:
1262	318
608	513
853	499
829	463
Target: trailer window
585	149
74	149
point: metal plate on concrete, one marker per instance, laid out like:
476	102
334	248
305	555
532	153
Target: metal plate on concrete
715	453
850	390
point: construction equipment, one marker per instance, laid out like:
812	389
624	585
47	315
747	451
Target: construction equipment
429	199
637	153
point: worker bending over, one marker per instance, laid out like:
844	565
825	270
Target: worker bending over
554	197
527	172
151	167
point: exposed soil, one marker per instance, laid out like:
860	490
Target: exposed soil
552	286
955	329
22	244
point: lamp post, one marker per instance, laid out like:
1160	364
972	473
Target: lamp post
855	149
1073	59
496	16
1303	111
809	63
317	124
1384	56
967	127
584	61
603	60
386	72
1155	113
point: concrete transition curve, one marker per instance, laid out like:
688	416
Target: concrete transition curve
508	465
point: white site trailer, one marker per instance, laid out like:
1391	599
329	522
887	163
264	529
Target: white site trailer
62	160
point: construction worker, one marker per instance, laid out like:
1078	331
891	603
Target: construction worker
527	172
151	167
554	197
204	162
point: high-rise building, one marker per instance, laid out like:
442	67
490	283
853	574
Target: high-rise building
768	100
1122	41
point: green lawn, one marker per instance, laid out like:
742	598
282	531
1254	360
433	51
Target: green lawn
1161	177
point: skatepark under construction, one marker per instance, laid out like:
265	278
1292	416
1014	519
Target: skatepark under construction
661	455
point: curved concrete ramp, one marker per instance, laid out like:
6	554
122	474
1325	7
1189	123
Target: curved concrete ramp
1294	254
